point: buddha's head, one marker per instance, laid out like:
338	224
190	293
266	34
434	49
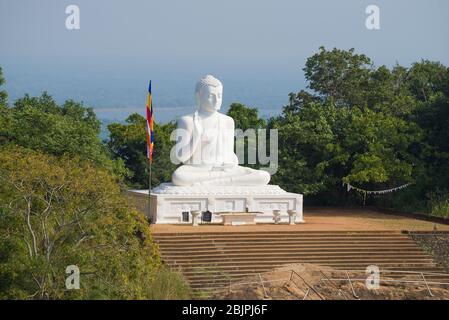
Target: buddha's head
208	94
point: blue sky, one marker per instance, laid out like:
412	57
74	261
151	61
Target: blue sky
257	48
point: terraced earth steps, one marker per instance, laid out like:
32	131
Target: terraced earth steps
210	261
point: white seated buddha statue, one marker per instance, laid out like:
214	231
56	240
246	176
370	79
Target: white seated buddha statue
206	144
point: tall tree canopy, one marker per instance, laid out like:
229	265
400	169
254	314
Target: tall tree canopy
4	114
374	127
71	129
3	93
245	117
61	211
342	75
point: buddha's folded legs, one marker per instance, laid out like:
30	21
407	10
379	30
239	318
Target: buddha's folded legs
253	178
192	175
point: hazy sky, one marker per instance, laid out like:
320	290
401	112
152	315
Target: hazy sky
257	48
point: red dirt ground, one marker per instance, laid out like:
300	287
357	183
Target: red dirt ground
282	285
323	219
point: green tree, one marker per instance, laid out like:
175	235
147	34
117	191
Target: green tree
245	117
322	145
5	117
305	147
378	148
71	129
63	211
357	126
339	74
433	117
298	100
351	80
427	78
3	93
128	142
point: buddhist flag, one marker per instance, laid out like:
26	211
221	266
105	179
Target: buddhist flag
150	128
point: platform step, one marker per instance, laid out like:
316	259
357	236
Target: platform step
211	261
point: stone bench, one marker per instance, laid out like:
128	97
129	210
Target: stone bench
238	218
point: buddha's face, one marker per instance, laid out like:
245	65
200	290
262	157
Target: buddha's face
210	98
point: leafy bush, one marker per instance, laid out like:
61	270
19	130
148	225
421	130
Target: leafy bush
439	203
61	211
169	285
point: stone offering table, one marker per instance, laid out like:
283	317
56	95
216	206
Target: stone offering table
238	218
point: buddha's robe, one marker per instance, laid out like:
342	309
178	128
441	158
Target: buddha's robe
206	149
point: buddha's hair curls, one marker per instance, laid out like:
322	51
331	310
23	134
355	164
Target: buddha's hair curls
207	80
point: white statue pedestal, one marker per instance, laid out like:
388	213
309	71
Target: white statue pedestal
169	201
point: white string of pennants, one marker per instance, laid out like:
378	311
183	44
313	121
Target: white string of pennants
349	187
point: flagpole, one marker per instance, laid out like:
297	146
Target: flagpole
149	185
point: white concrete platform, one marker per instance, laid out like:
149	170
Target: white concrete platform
168	202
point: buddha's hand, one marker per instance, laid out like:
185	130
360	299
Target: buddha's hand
197	127
228	167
